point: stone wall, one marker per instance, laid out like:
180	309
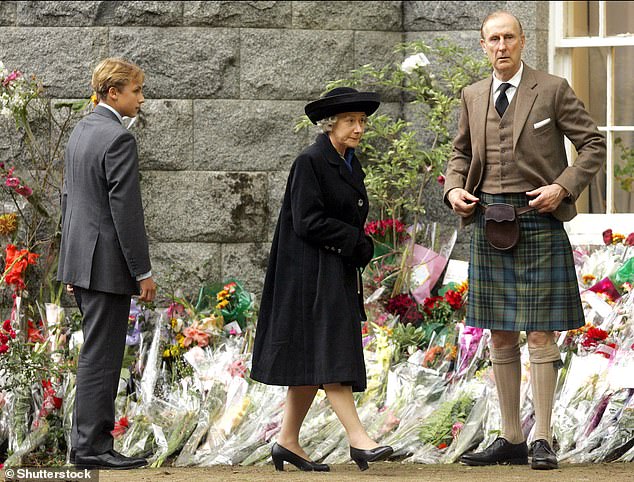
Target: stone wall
225	84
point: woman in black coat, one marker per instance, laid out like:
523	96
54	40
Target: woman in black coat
309	327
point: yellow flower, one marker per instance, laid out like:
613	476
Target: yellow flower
93	98
167	353
8	224
588	278
222	294
222	304
180	339
617	238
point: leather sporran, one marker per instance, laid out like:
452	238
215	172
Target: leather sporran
501	226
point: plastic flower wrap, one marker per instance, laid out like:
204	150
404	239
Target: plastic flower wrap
584	386
412	394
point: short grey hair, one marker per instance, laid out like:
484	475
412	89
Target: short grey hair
327	124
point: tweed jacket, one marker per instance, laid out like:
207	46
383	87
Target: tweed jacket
546	110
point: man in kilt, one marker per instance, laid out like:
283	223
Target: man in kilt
510	149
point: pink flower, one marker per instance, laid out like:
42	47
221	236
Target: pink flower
193	334
175	309
238	369
455	430
630	239
11	77
607	237
12	182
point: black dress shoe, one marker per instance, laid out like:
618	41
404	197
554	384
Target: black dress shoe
108	460
544	457
280	455
362	457
501	451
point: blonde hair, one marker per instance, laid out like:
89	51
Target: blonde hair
114	72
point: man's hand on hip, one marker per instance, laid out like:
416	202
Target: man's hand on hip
547	198
148	289
462	202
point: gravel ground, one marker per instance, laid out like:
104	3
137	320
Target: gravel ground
382	471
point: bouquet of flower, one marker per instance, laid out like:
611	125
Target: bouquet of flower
230	299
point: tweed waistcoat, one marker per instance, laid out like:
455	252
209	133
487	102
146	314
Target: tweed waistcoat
500	172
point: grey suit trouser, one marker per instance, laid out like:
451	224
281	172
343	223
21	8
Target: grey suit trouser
105	323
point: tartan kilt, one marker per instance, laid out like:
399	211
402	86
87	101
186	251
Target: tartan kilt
532	287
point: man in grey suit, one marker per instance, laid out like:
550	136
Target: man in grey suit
104	256
510	149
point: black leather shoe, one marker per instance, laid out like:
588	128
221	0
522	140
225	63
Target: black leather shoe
280	455
362	457
108	460
544	457
501	451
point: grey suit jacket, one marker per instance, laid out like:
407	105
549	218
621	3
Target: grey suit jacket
104	245
546	110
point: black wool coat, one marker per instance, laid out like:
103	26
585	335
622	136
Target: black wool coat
309	325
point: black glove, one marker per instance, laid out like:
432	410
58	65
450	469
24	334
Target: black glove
363	251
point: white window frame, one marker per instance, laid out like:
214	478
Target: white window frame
585	227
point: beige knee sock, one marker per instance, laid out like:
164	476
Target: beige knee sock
544	361
508	376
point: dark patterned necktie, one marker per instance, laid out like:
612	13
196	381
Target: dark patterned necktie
502	103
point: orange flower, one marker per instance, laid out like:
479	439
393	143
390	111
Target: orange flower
15	265
588	278
431	355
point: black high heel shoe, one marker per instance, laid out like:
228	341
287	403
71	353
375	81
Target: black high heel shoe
280	455
362	457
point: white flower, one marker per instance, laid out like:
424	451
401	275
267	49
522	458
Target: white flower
6	112
414	61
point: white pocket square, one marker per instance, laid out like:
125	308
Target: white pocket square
539	124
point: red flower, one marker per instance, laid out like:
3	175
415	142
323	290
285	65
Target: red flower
430	303
441	180
607	237
16	262
454	299
593	336
442	445
120	427
404	306
3	338
630	239
33	334
4	349
6	326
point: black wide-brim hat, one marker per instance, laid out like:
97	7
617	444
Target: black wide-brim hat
342	99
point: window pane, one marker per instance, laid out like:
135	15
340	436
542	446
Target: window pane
581	18
619	17
623	153
623	86
589	80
